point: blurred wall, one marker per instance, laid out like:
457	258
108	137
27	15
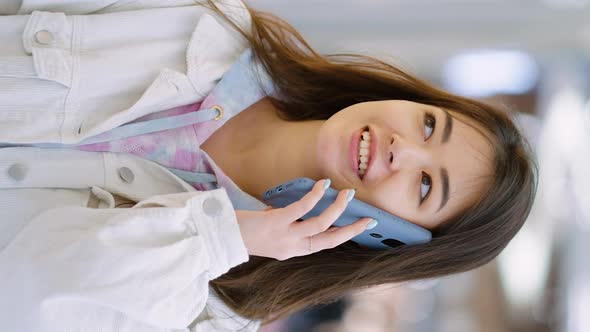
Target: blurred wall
420	35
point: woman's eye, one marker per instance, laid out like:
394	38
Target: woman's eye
429	124
425	186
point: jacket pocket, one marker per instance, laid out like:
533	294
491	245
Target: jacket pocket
47	41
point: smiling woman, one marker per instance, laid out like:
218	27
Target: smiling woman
456	166
132	160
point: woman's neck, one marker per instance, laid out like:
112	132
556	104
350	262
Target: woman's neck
258	150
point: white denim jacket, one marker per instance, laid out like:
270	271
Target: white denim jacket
70	260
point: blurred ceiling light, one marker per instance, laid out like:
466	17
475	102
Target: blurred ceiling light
562	148
481	73
566	123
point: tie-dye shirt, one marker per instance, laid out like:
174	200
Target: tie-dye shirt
180	148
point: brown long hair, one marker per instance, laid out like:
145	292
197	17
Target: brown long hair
312	86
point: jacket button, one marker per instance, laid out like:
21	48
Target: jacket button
17	172
126	174
211	207
44	37
219	112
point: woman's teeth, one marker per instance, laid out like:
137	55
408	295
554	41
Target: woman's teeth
364	152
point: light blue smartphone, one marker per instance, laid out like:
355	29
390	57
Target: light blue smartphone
391	231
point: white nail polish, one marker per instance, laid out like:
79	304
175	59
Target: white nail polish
372	224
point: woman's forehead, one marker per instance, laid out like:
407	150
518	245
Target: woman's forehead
469	161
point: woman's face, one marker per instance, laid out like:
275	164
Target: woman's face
424	165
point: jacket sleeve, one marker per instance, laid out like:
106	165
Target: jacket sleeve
77	7
99	269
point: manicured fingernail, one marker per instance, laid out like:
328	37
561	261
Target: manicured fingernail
372	224
350	194
327	183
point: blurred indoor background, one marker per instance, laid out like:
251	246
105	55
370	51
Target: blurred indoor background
528	55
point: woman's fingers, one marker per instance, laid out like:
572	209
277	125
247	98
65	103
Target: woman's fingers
338	235
319	223
324	220
324	234
299	208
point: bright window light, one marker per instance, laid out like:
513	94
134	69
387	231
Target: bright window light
482	73
523	267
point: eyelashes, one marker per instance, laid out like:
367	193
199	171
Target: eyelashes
426	180
430	123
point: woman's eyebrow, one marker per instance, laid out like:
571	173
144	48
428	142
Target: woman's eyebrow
444	174
448	127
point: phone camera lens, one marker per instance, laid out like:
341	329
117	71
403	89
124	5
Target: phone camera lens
377	235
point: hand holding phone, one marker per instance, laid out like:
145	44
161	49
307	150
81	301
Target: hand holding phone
392	231
275	233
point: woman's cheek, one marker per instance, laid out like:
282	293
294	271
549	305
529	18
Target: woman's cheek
395	202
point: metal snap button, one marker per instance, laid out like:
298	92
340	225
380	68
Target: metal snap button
17	172
44	37
212	207
126	174
219	110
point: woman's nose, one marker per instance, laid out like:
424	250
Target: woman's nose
404	153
